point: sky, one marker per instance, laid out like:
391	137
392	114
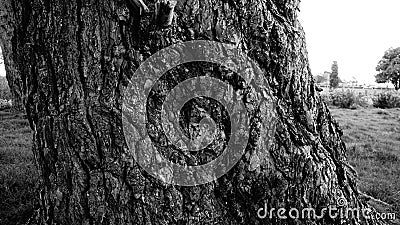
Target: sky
2	70
356	33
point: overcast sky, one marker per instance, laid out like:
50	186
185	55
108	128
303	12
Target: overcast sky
356	33
2	70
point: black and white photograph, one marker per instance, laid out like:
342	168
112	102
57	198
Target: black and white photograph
200	112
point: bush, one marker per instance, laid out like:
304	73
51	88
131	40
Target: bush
366	101
350	100
326	97
387	100
4	104
344	99
5	94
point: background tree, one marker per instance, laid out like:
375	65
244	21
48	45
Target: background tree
322	78
334	78
4	88
319	79
389	68
79	55
5	93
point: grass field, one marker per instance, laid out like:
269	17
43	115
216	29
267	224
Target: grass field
372	137
18	177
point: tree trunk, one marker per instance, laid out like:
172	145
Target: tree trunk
79	55
8	24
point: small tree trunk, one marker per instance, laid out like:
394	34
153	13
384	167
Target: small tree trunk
79	55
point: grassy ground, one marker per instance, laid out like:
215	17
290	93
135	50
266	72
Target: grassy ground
18	177
372	137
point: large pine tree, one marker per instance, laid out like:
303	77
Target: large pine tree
334	77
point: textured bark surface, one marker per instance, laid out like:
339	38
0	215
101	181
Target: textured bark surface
79	55
8	25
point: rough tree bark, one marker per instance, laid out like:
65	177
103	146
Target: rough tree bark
8	24
79	55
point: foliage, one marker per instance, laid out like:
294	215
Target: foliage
334	78
343	99
366	101
350	99
5	93
387	100
320	79
326	97
389	68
